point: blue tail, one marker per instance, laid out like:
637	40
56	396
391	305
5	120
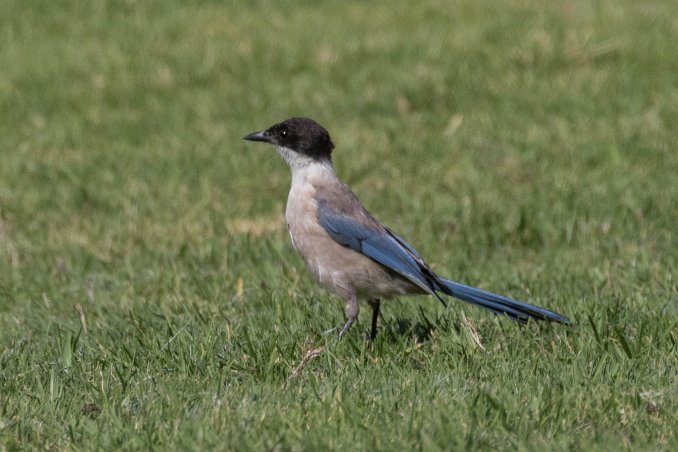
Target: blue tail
499	304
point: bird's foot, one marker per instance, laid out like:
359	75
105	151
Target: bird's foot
375	304
346	327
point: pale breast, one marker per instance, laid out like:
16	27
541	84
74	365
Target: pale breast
309	238
342	270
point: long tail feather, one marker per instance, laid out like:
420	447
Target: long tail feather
499	304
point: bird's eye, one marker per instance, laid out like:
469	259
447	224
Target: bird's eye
283	133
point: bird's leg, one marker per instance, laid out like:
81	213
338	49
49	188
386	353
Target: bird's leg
374	303
352	309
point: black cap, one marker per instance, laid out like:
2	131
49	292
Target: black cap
301	135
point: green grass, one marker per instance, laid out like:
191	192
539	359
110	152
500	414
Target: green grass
527	147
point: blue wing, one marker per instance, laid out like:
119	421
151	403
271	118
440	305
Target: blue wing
379	244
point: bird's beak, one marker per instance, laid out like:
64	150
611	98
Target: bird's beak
258	136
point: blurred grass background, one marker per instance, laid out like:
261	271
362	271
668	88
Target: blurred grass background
526	147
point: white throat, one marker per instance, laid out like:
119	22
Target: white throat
303	166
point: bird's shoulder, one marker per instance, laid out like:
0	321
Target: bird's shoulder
337	199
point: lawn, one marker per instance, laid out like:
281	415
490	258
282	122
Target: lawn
150	297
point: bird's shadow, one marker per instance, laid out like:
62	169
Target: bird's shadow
422	328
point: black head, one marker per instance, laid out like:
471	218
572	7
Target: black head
301	135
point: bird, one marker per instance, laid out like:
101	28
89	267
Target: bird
347	250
